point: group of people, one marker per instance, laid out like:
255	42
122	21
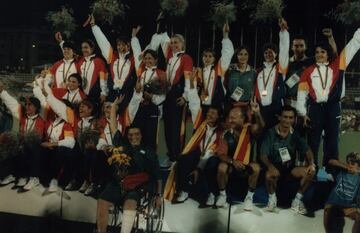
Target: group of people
90	110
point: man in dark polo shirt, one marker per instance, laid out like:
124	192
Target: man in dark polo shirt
141	160
278	154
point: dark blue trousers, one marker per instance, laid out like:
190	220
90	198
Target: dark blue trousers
324	117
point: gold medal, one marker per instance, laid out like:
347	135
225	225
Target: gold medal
264	93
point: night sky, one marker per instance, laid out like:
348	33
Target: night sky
31	12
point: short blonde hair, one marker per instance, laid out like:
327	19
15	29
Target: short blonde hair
181	38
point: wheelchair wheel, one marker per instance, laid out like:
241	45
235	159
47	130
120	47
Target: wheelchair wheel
155	217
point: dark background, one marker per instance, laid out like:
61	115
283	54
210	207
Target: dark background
304	17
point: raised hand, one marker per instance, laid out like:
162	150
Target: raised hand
226	30
255	108
327	32
58	37
283	24
92	20
118	100
135	31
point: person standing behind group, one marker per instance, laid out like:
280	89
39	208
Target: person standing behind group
59	73
149	94
299	62
178	71
211	76
92	70
319	94
240	81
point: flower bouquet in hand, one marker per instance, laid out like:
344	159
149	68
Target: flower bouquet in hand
62	21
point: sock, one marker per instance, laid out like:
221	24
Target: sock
299	196
127	221
272	195
223	192
250	194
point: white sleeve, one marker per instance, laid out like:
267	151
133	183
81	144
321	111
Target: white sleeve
136	48
102	42
155	42
165	41
61	44
134	104
194	103
352	47
104	87
57	106
302	96
284	46
11	103
68	142
102	142
227	51
39	95
158	99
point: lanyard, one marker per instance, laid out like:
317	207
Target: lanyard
206	87
151	76
73	98
206	145
65	74
85	72
119	72
54	126
265	82
32	124
171	70
323	83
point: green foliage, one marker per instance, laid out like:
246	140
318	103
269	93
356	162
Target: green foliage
222	12
347	13
106	11
62	21
174	7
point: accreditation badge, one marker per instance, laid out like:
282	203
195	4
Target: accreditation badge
237	94
293	80
284	154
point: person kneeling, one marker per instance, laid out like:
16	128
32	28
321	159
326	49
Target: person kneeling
278	154
234	152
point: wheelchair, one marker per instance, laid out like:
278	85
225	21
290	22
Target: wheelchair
148	219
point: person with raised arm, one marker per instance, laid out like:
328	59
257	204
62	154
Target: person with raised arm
319	94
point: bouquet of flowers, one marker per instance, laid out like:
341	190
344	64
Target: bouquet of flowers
347	13
12	84
30	139
222	12
265	11
107	10
156	87
62	21
174	7
89	138
120	162
9	145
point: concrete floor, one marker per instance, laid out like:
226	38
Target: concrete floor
184	218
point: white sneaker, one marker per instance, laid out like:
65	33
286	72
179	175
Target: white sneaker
7	180
182	197
53	187
272	204
221	200
84	186
33	182
21	182
298	206
210	200
90	189
248	203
